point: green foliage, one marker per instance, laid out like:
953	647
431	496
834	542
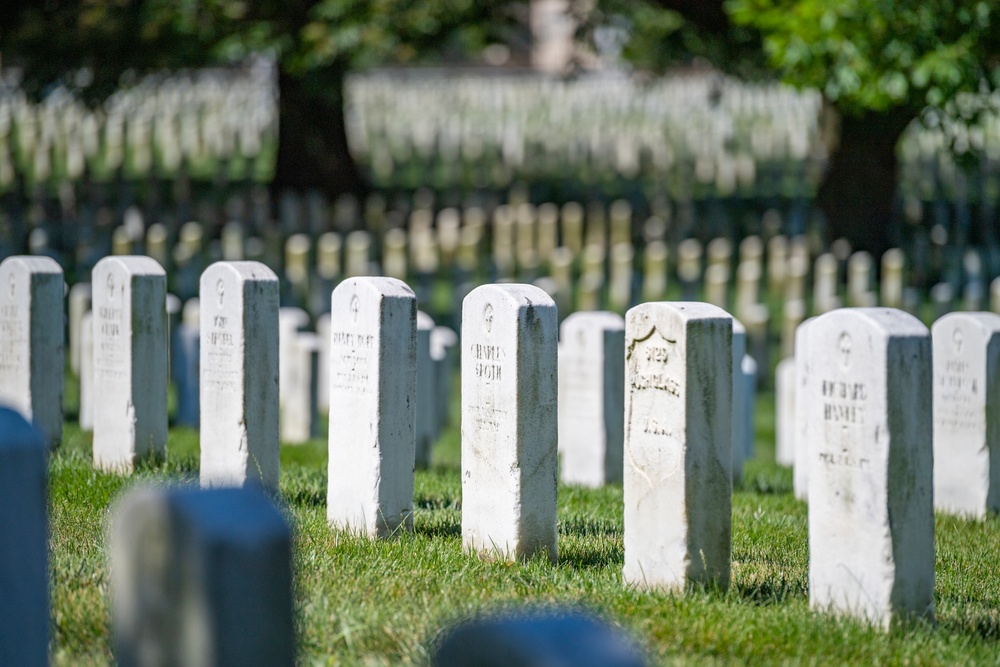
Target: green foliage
874	55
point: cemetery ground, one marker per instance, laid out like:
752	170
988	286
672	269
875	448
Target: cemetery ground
362	601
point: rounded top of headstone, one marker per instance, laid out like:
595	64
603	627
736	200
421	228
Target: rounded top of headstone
738	328
600	319
376	286
293	315
444	336
890	321
173	304
987	323
424	321
640	320
133	264
241	271
33	264
748	365
82	289
191	313
18	432
515	294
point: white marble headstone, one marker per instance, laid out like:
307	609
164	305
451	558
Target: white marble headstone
31	341
130	361
591	398
678	445
869	422
967	413
24	543
201	577
373	374
509	421
79	303
239	375
298	416
784	412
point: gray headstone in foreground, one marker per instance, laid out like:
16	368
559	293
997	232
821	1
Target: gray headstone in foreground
373	378
678	445
509	421
31	341
591	398
130	361
239	375
201	577
536	639
427	407
967	413
869	421
24	543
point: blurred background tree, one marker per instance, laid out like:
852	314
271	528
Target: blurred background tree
878	63
315	43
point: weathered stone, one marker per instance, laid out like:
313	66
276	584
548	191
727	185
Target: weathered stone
509	421
201	577
869	424
24	543
427	408
31	341
591	398
967	413
372	405
678	445
130	362
239	375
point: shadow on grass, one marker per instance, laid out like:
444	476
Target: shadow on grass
980	622
767	592
305	496
437	526
435	502
588	526
588	556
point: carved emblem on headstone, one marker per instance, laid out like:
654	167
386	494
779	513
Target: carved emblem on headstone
844	347
488	318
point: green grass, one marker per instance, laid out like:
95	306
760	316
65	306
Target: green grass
368	602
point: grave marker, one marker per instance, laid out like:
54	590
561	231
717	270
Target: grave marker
79	304
869	422
31	341
678	445
298	415
239	375
967	413
427	408
372	405
591	398
509	421
130	362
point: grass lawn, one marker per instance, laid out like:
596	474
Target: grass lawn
383	602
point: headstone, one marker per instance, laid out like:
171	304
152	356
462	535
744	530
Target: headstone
869	422
86	416
24	543
509	421
620	286
591	398
654	282
825	284
373	378
185	362
739	437
967	413
298	411
678	445
444	354
893	265
31	341
201	577
291	321
427	407
79	304
130	362
536	639
239	375
784	412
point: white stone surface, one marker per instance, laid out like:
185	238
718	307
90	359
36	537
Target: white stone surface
79	304
373	375
24	543
509	421
290	322
298	416
678	445
748	369
427	407
869	421
86	416
739	400
800	470
201	577
444	353
130	361
31	341
239	375
323	364
591	398
967	413
784	412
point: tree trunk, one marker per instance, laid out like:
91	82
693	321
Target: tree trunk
312	136
859	189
